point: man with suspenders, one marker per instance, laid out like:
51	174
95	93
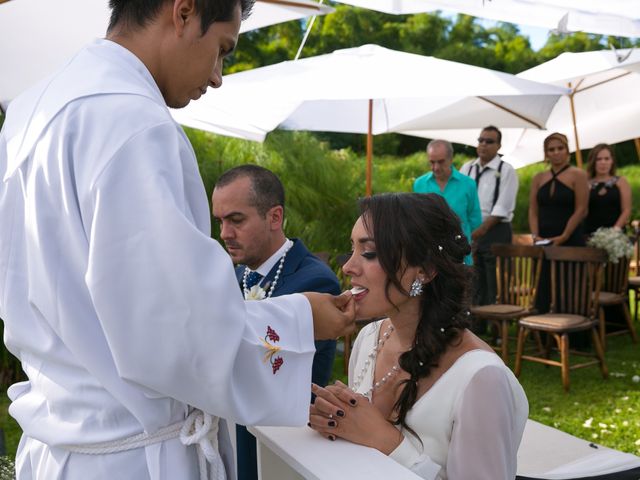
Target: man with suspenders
497	185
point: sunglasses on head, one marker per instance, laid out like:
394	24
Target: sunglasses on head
488	141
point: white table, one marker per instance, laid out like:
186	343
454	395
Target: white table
295	453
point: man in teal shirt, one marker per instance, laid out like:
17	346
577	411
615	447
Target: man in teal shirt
457	189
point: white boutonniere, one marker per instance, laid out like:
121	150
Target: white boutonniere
255	293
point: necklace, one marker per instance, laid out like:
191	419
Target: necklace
372	359
275	278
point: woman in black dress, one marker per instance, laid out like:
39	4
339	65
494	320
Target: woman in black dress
557	207
609	195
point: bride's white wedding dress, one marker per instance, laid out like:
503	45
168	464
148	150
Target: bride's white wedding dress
469	423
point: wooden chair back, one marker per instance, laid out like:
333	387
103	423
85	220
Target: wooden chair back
518	273
615	277
575	279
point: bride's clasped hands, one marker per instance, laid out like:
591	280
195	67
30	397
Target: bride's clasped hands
338	412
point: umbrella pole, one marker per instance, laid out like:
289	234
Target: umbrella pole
575	129
637	142
308	31
369	148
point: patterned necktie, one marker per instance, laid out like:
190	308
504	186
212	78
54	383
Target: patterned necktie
253	278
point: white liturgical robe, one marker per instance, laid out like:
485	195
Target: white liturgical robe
120	306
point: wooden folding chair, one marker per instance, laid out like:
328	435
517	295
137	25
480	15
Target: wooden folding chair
575	287
614	292
518	273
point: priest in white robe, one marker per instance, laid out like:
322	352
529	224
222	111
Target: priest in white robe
125	314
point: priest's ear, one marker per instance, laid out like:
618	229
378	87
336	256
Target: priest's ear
275	217
182	12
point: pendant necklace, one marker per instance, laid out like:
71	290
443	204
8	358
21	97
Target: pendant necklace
372	360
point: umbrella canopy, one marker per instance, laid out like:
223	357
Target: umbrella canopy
371	89
46	33
620	18
603	105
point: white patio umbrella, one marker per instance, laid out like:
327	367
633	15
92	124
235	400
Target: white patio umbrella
38	36
620	18
374	90
603	105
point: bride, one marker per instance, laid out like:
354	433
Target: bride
422	388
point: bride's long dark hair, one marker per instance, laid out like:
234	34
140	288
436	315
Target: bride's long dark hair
420	230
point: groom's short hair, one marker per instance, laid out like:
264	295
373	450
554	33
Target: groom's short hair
267	190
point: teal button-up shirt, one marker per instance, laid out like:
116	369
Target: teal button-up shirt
462	196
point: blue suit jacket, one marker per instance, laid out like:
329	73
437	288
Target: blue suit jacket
301	272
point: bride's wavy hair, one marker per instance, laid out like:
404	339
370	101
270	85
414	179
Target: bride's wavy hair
421	230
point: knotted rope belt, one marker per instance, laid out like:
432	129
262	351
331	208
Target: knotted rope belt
199	429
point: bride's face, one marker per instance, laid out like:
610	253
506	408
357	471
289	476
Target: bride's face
366	273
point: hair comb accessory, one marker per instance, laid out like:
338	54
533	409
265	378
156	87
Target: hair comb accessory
458	237
440	247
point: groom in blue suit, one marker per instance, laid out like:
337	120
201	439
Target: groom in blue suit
248	203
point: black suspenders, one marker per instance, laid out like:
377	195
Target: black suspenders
496	190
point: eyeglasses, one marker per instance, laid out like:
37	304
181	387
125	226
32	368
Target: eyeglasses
488	141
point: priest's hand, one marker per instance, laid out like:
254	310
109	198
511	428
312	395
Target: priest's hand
333	317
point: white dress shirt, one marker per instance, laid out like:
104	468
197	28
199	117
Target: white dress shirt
508	190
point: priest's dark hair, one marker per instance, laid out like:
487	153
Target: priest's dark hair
267	190
140	12
420	230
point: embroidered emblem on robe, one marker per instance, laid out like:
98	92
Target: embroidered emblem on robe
272	350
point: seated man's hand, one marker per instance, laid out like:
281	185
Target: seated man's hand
333	317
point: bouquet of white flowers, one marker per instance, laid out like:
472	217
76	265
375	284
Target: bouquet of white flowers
613	241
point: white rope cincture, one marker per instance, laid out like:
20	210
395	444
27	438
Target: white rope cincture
199	429
130	443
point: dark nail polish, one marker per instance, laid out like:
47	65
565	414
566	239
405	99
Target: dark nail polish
352	401
340	413
308	424
332	438
332	423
